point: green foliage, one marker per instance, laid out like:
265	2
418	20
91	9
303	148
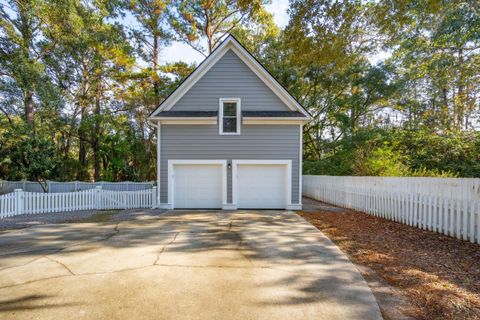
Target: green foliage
402	153
382	161
193	21
423	172
27	156
414	113
457	153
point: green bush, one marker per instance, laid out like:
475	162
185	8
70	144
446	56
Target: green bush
401	153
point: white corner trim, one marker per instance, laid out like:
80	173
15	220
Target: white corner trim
159	160
248	59
300	166
294	207
288	182
171	175
221	101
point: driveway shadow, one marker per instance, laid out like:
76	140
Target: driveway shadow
286	261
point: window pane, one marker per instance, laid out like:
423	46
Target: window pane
229	124
229	109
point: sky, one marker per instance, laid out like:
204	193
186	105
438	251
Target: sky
178	51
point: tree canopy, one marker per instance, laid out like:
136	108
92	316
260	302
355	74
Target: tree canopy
393	86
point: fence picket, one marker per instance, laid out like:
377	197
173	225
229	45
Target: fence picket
20	202
451	218
449	206
458	220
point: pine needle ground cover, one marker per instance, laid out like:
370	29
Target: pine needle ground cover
431	276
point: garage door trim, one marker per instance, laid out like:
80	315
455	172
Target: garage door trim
288	183
171	176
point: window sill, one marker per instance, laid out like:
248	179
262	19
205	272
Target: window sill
229	133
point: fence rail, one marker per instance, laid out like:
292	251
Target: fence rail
445	205
20	202
71	186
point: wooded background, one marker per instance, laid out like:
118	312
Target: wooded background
393	85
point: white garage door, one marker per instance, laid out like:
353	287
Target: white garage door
261	186
197	186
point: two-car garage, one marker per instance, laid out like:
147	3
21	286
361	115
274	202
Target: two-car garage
254	184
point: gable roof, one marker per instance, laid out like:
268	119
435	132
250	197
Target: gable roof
230	43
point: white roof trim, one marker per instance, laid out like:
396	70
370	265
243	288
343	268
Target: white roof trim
183	120
249	121
275	118
231	43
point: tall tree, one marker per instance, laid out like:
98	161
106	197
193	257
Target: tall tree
152	35
27	33
197	22
96	57
436	46
328	45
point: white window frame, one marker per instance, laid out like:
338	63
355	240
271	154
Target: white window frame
221	101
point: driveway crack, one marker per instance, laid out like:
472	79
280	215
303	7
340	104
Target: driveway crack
61	264
114	233
164	247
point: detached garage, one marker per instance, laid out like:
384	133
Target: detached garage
229	137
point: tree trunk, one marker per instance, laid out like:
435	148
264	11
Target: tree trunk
29	108
460	101
26	31
208	31
156	82
445	109
96	138
82	147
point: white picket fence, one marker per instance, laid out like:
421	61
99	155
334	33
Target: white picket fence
20	202
450	206
71	186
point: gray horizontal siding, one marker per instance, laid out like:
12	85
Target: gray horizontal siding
202	142
230	77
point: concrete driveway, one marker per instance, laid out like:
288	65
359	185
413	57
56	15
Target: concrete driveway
180	265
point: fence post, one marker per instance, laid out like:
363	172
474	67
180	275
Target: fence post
98	197
18	201
154	197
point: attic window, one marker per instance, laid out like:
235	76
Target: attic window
229	116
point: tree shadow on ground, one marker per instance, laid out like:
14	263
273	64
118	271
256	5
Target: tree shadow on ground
29	302
300	264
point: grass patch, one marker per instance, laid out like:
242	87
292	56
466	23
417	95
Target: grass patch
101	216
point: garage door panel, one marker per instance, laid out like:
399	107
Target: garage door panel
198	186
261	186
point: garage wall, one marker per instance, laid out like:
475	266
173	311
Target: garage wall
202	142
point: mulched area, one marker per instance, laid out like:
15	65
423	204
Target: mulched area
439	275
